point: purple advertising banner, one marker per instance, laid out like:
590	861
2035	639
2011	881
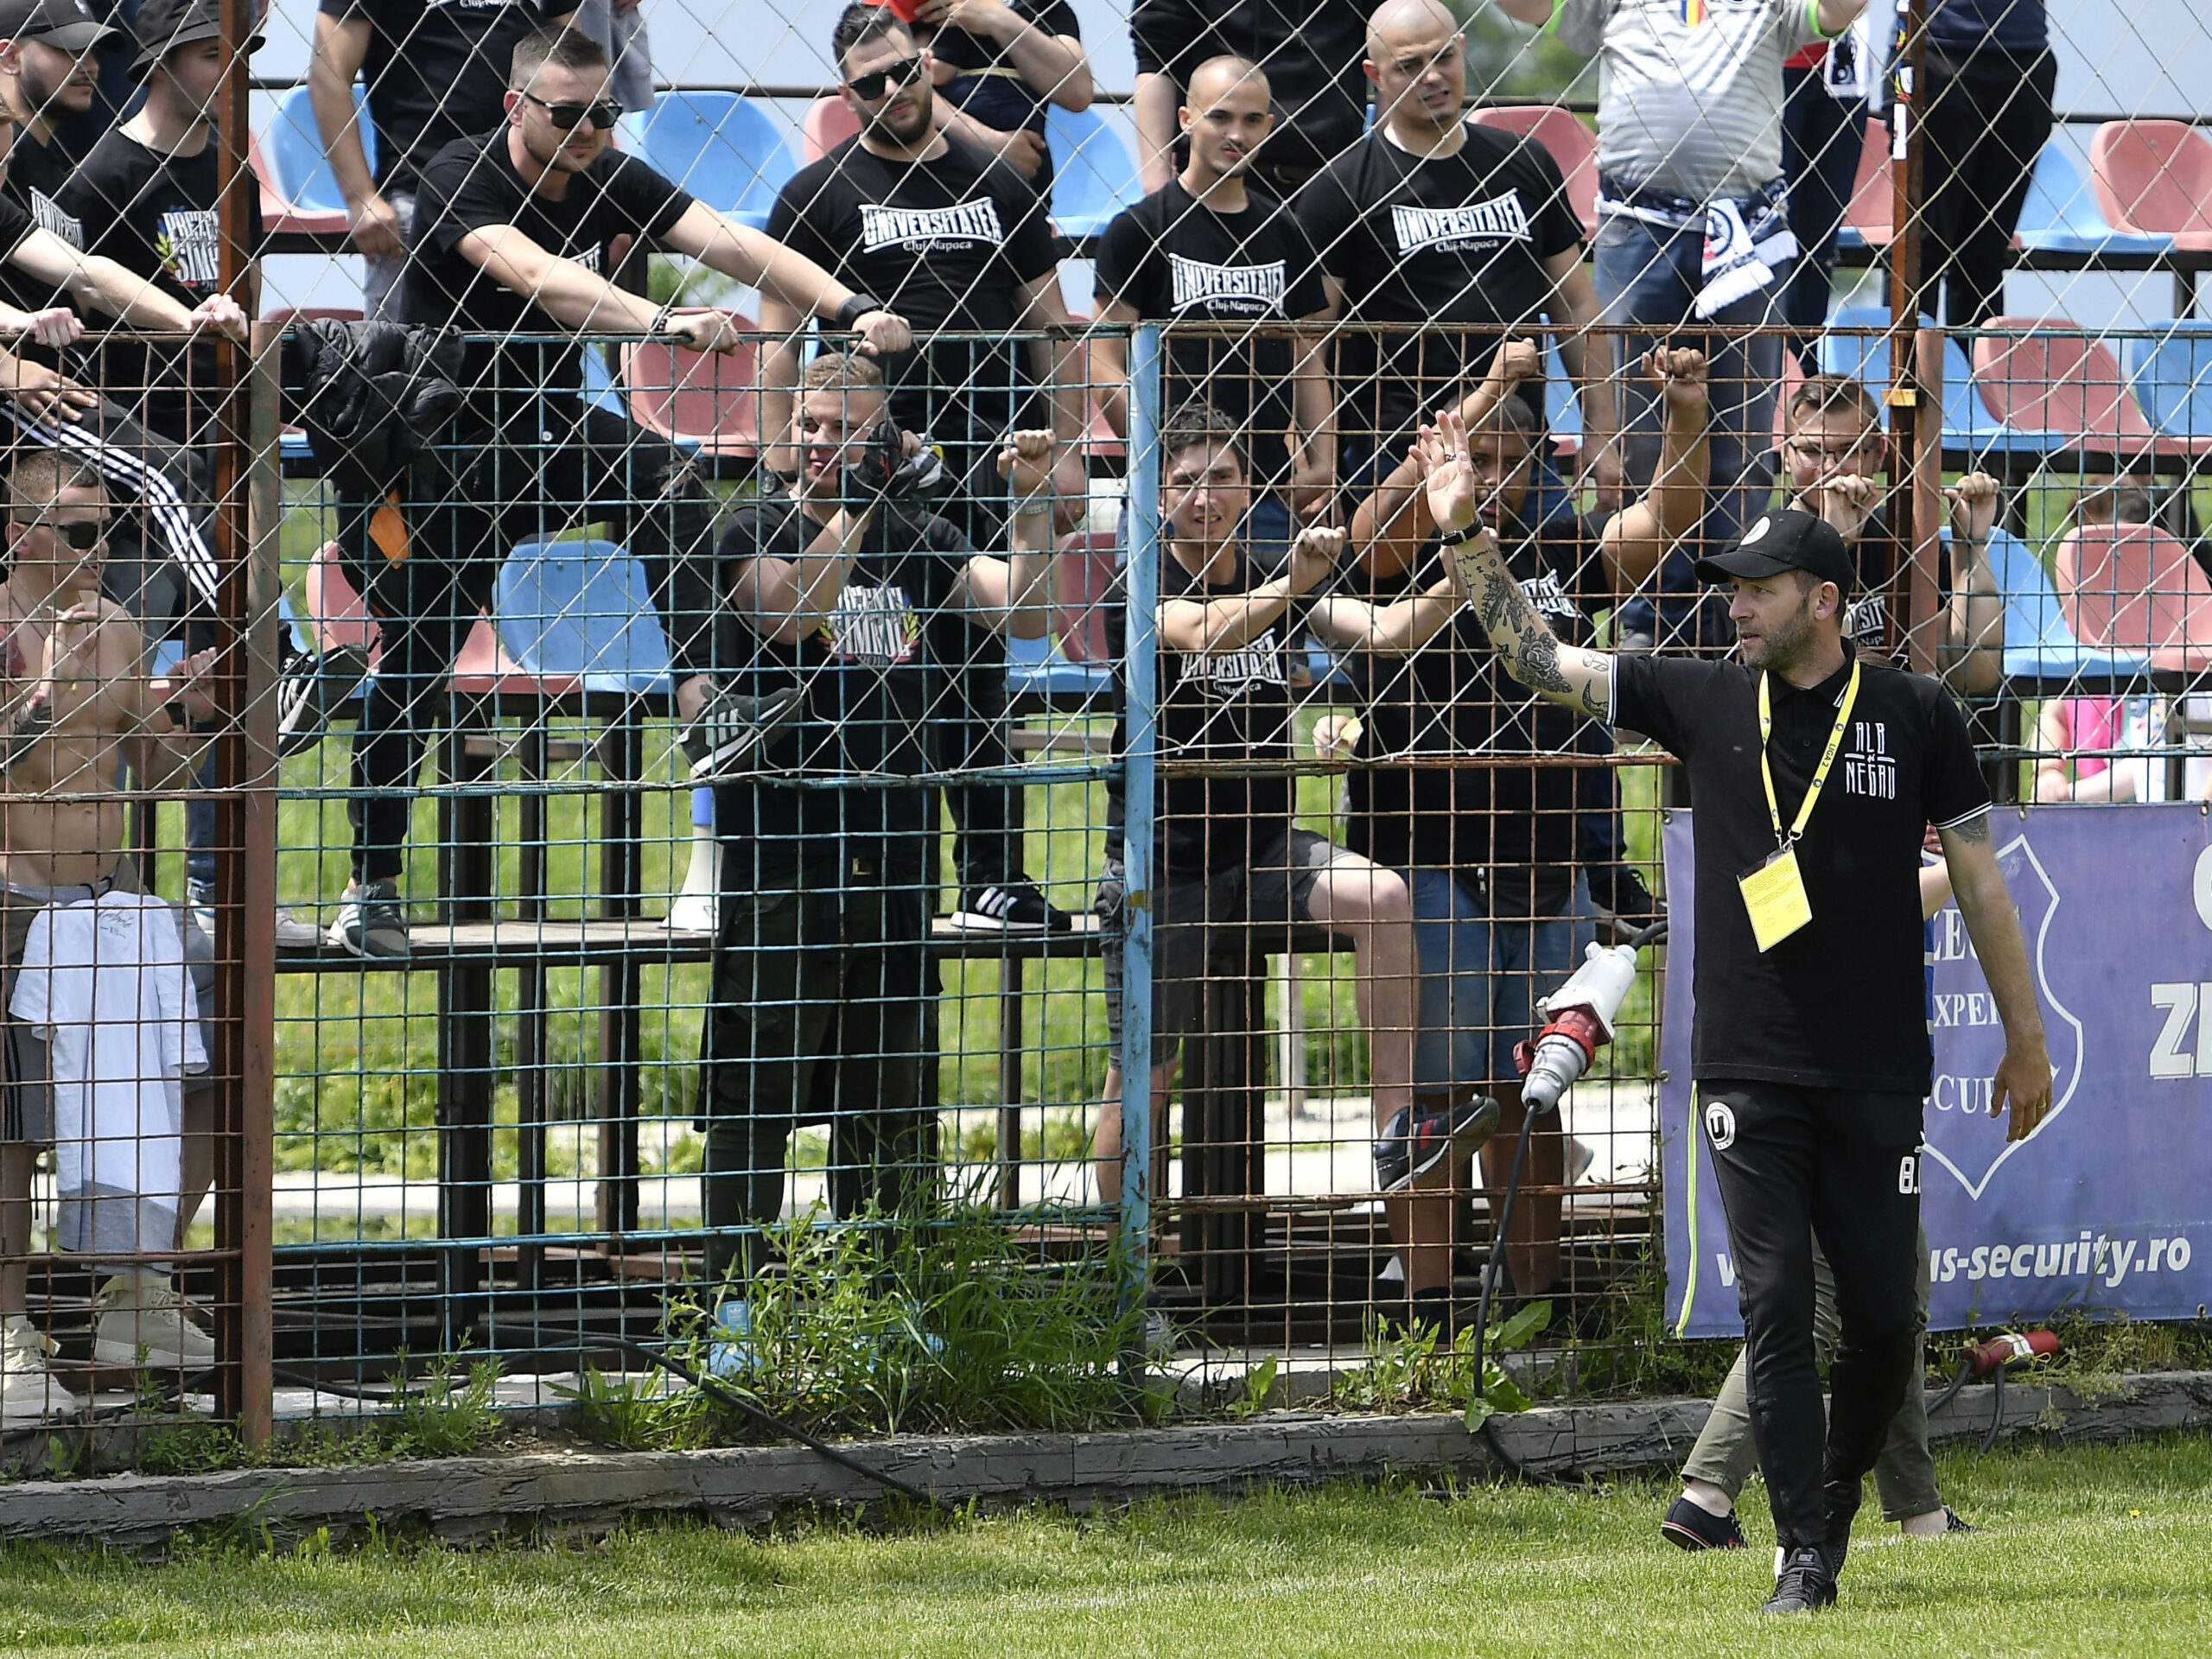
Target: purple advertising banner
2107	1207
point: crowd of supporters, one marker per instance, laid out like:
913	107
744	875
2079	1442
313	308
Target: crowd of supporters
1329	286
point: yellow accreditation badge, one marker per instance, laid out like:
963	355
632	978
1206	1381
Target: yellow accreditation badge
1774	893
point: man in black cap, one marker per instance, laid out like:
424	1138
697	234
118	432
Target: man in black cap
48	73
1816	773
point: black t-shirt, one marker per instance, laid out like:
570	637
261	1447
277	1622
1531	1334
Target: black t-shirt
1866	619
156	215
1172	258
1452	696
872	685
1459	239
472	183
1311	49
35	176
437	70
947	244
1840	1003
1224	705
990	88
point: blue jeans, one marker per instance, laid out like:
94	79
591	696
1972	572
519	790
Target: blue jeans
1649	276
1480	978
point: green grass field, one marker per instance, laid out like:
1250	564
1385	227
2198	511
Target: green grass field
2081	1552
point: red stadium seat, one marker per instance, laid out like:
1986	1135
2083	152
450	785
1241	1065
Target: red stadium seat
1099	437
2154	178
335	610
829	123
280	217
2135	587
2041	374
1872	211
693	397
1083	581
1571	144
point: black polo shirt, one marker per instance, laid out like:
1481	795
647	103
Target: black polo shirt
1841	1004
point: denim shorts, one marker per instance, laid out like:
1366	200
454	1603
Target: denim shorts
1480	979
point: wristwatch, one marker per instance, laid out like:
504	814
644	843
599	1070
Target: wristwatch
854	309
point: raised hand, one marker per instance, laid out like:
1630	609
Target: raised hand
1973	501
1454	492
1313	555
222	314
710	329
1026	461
1680	374
1845	499
1515	361
879	333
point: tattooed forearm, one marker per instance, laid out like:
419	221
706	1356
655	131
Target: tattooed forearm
1597	695
1502	602
1536	661
1975	828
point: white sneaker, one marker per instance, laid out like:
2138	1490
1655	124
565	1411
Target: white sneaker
293	934
28	1388
697	907
142	1323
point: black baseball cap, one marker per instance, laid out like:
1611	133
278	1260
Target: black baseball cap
164	25
1789	540
64	25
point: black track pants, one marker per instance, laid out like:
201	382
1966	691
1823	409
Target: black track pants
1841	1166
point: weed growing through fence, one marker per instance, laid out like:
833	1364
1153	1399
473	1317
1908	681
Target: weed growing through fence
1416	1368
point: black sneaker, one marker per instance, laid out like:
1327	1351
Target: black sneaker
1426	1156
1952	1523
1017	907
1691	1526
311	690
371	924
1803	1584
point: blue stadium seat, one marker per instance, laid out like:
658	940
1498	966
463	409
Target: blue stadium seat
167	653
600	389
1037	667
2061	214
724	149
292	148
1093	176
581	610
2039	646
2172	377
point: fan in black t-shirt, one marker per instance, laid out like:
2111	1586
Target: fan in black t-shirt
1512	831
1310	50
1431	219
434	72
953	241
996	66
53	78
1210	248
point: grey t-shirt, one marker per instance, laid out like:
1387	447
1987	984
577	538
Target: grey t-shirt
1694	109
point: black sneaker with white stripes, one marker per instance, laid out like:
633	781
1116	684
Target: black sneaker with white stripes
1426	1153
311	690
1017	907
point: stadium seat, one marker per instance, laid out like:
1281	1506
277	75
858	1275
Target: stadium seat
298	183
1869	220
1038	668
829	123
2171	376
1083	582
581	613
2154	178
722	148
2041	648
1968	429
2061	214
1100	440
2136	587
335	613
1571	144
705	402
1093	176
2053	387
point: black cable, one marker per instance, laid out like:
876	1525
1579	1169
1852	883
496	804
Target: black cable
1996	1414
769	1421
1951	1388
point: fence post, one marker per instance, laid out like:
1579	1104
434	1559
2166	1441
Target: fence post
1140	590
1916	357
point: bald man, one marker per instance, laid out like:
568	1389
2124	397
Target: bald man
1689	124
1432	220
1211	247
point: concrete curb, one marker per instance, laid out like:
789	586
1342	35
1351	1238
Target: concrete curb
468	1497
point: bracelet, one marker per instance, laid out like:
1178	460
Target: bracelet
1033	506
854	309
1473	532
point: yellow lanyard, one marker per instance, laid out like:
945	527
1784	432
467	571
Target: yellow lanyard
1820	772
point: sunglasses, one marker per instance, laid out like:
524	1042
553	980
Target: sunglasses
81	536
870	86
569	117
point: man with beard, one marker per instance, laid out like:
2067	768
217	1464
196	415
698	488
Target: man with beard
1816	772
